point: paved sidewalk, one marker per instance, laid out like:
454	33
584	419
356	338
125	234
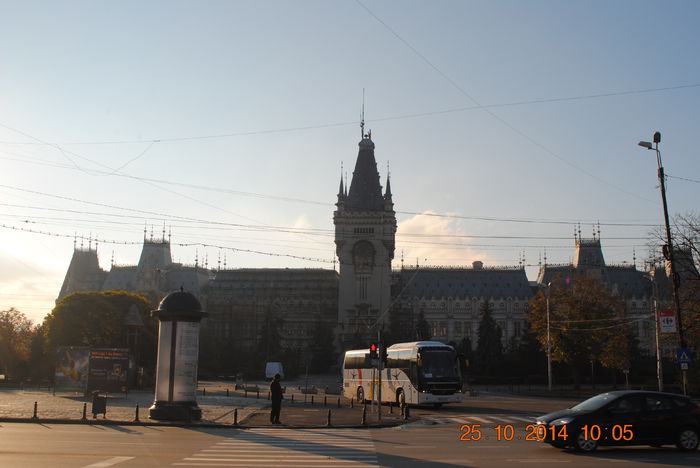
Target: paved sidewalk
217	404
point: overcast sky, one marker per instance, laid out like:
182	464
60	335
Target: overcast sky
228	122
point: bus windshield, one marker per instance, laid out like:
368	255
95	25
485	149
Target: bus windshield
439	363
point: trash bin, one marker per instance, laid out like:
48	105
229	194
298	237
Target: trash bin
99	405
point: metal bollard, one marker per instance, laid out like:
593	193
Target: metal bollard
35	410
204	391
235	417
352	402
136	416
406	413
391	408
324	400
245	390
403	408
84	418
338	402
364	415
257	394
268	395
292	398
227	392
312	400
328	422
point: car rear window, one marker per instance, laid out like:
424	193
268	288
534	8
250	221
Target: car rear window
658	403
681	402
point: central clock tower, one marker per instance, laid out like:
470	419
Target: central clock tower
365	236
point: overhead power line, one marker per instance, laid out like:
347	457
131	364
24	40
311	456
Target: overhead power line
414	115
412	213
486	109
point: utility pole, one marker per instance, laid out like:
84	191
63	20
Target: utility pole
668	250
379	387
549	344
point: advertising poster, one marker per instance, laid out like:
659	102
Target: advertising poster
186	355
72	364
163	365
108	370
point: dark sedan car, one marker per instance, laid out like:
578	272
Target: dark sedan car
624	418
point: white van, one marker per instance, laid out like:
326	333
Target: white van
272	368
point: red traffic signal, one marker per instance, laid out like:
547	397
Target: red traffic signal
373	348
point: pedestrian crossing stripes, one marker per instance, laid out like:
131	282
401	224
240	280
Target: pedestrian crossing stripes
315	448
491	419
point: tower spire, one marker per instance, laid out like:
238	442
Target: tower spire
362	116
341	189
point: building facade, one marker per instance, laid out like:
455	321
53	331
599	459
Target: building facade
154	276
365	295
451	298
635	287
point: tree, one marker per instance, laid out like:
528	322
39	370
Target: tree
270	337
400	327
526	358
687	246
97	319
587	324
322	349
16	335
488	356
423	328
465	353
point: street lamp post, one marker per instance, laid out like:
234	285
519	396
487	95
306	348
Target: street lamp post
668	248
549	343
659	369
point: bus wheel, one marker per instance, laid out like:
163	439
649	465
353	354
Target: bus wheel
360	395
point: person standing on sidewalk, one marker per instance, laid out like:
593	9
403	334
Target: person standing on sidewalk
276	399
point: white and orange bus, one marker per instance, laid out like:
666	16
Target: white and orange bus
417	373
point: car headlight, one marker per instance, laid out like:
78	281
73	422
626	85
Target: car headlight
561	421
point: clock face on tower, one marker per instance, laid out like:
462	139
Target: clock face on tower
363	254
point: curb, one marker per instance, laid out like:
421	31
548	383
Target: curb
109	422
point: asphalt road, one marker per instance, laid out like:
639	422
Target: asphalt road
434	440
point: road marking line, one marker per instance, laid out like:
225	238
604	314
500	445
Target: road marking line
109	462
292	444
276	465
521	418
278	459
273	451
538	460
481	420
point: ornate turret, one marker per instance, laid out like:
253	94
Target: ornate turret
154	261
342	192
84	272
388	202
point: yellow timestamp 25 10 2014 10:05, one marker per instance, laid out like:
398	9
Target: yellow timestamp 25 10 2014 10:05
541	433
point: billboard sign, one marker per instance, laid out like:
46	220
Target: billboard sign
72	364
109	368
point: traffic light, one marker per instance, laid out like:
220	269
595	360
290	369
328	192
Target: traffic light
373	348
